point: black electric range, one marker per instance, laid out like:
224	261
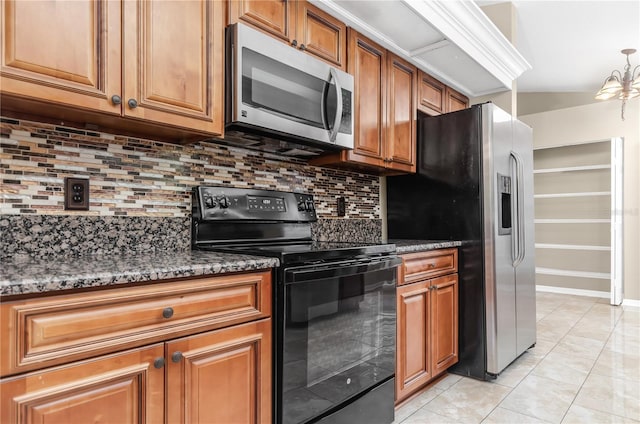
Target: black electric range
334	312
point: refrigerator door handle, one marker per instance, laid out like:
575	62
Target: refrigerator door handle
519	210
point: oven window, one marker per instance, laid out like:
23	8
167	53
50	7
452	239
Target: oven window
284	90
339	340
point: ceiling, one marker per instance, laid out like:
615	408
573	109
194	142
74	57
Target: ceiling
561	45
574	45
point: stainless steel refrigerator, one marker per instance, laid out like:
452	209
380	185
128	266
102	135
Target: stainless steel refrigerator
475	183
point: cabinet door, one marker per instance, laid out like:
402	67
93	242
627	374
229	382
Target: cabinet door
64	52
321	34
413	363
124	388
223	376
401	121
367	63
275	17
431	94
444	320
173	63
455	101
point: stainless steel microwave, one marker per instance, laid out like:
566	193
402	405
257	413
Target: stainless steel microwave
275	90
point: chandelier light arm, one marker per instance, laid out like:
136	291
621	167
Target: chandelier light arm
623	86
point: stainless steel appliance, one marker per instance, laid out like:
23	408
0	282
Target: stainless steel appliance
334	314
278	91
475	183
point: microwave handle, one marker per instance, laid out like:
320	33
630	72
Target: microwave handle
333	133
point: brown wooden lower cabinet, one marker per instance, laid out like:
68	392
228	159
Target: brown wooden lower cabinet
427	325
125	388
221	377
201	354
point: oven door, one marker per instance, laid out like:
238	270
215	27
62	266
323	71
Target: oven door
339	332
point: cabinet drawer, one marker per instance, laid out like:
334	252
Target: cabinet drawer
37	333
423	265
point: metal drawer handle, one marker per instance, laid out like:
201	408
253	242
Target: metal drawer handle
432	265
167	312
176	357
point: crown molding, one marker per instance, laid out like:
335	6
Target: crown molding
466	26
462	24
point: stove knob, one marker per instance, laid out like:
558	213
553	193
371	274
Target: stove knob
309	205
301	205
224	202
209	202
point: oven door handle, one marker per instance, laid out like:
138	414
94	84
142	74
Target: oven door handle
338	269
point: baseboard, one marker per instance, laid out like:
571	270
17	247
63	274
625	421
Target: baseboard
589	293
575	292
631	302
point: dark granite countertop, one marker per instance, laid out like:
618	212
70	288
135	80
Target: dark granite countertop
410	246
26	275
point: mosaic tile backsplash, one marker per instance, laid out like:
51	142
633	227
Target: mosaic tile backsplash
134	177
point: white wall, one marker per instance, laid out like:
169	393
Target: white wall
601	121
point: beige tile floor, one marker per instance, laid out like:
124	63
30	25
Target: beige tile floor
585	368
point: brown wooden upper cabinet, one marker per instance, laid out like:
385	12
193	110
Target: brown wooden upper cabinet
455	101
156	61
436	98
385	111
298	23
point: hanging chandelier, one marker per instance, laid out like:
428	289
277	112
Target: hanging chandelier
624	87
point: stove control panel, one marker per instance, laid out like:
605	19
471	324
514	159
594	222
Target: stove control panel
224	203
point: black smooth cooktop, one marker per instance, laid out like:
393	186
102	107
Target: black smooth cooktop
311	251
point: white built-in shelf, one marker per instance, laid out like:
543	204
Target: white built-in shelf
572	247
571	169
569	273
580	194
572	221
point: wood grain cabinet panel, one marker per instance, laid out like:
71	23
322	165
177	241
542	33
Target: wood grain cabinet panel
159	62
223	376
455	101
422	265
298	23
367	64
174	77
204	355
431	94
54	330
65	52
275	17
125	388
413	368
427	322
444	321
321	35
401	121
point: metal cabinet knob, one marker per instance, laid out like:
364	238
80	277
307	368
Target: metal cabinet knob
167	312
158	363
294	43
176	357
116	100
132	103
303	47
